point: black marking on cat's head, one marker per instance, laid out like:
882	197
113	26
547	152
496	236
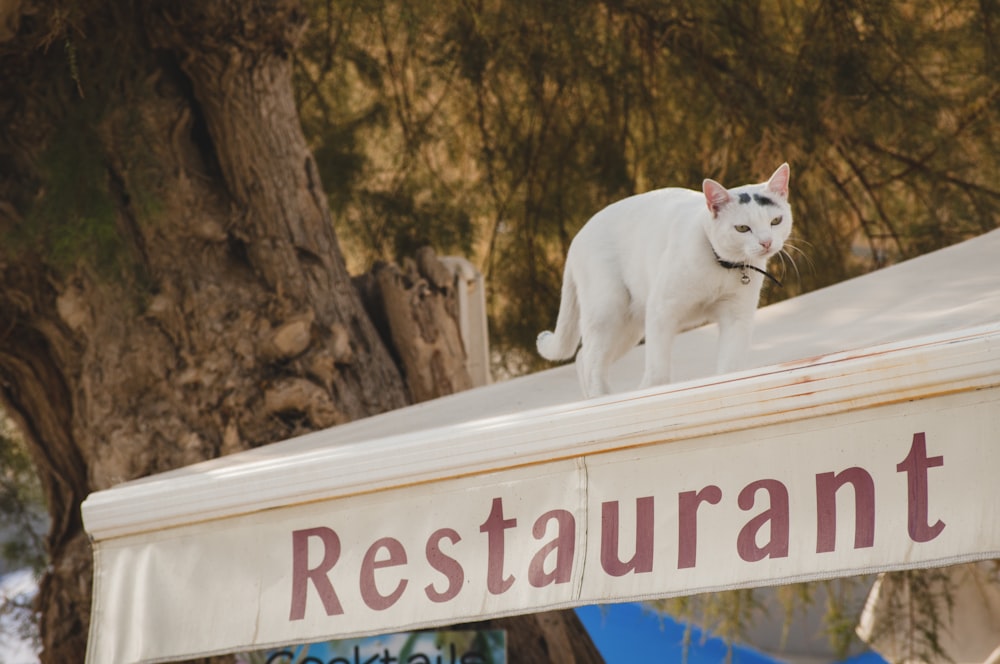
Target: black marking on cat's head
744	198
763	200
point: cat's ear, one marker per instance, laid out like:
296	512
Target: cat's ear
716	196
778	184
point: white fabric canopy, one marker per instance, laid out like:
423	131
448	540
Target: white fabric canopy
502	499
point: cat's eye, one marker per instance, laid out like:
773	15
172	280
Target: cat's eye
776	221
742	228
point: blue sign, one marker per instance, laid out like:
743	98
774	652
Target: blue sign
431	647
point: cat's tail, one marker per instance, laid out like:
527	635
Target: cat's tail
562	344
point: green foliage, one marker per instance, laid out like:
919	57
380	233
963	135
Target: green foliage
21	524
21	503
76	218
844	600
731	615
376	132
725	614
915	612
502	127
93	172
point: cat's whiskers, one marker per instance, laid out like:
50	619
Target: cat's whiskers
791	246
782	255
786	253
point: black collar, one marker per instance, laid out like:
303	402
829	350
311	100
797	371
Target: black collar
744	267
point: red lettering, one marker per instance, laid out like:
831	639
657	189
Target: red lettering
447	565
369	590
687	522
302	574
915	465
564	545
494	526
827	485
642	561
776	515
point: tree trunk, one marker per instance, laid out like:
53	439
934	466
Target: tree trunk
553	637
227	320
416	312
171	288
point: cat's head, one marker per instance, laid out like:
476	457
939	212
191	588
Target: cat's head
749	222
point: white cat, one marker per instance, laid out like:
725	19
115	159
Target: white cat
655	264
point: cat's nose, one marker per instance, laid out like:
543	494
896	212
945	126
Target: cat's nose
766	244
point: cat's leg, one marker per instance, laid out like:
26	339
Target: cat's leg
661	328
611	343
593	362
581	372
608	331
735	331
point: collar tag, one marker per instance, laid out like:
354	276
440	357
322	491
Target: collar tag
743	267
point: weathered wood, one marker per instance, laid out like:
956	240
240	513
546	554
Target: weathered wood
418	311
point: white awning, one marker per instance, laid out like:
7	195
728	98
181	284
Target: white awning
850	449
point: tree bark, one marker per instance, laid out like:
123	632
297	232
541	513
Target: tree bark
231	321
552	637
